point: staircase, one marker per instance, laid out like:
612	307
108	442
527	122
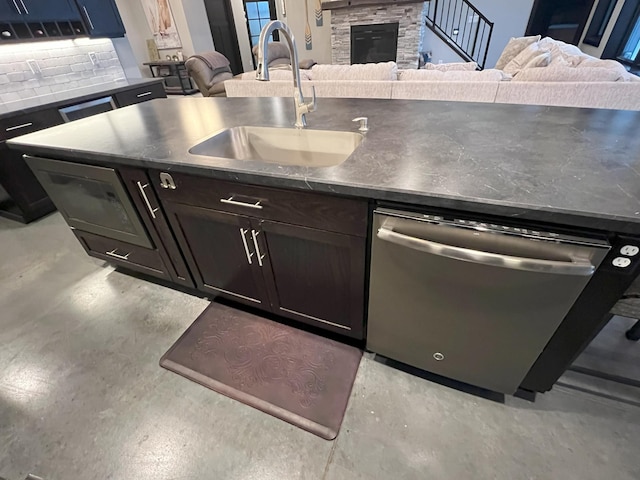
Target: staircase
461	26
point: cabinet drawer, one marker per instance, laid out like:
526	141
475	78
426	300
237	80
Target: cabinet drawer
31	122
140	94
325	212
131	256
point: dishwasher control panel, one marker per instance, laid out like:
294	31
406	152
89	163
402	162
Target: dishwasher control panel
505	229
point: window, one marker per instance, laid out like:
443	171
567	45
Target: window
599	22
259	13
630	51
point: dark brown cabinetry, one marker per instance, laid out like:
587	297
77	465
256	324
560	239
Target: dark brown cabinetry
21	196
297	254
140	94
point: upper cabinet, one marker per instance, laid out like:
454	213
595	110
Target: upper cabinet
101	18
49	11
39	19
10	11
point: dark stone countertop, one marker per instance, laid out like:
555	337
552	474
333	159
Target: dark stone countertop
566	166
56	100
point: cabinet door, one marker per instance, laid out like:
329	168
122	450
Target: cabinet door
220	253
28	200
49	10
101	18
10	11
314	276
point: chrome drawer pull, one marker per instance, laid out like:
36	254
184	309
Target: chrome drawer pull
88	17
254	235
15	4
152	210
24	125
231	201
113	253
143	94
246	246
25	7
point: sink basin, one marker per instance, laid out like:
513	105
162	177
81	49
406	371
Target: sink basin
284	146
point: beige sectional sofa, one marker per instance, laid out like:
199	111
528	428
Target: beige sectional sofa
561	62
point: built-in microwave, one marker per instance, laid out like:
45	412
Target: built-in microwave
91	198
87	109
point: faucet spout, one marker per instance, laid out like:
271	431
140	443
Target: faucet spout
262	72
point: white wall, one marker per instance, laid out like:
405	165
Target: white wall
597	51
191	22
321	36
510	19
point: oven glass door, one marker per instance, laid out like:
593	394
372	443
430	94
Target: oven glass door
92	199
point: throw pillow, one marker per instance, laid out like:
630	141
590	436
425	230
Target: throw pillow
568	74
513	48
448	67
542	60
519	61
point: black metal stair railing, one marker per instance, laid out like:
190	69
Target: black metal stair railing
462	26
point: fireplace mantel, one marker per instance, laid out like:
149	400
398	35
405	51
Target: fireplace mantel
338	4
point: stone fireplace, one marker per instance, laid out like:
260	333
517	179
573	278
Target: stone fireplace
409	17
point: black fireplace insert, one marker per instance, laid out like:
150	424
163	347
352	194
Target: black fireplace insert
374	43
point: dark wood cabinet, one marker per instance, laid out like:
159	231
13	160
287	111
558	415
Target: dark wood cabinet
9	11
263	247
140	94
315	276
217	248
101	18
24	199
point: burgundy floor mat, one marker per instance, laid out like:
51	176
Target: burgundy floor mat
291	374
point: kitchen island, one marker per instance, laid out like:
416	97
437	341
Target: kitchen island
559	168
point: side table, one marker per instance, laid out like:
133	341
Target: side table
175	77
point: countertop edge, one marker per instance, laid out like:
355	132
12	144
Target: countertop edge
589	221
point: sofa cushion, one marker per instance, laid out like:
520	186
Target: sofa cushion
513	48
447	67
524	57
446	91
559	73
277	74
366	71
489	75
562	53
411	75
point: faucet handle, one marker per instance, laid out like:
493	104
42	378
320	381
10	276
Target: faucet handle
312	106
364	123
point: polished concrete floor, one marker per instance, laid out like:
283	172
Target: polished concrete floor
82	397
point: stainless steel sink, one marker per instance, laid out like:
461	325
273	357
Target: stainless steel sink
284	146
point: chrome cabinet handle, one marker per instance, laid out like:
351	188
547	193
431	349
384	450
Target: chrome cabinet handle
231	201
143	94
243	231
24	6
260	256
15	4
152	210
88	17
16	127
113	253
576	266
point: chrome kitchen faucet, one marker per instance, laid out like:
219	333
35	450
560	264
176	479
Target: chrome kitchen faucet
262	73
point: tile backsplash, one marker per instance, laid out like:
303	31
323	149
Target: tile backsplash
59	65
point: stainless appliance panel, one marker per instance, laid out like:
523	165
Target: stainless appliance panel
92	199
473	303
87	109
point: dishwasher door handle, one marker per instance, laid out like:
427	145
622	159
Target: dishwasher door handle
578	267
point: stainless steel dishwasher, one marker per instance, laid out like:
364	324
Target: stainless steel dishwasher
472	301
